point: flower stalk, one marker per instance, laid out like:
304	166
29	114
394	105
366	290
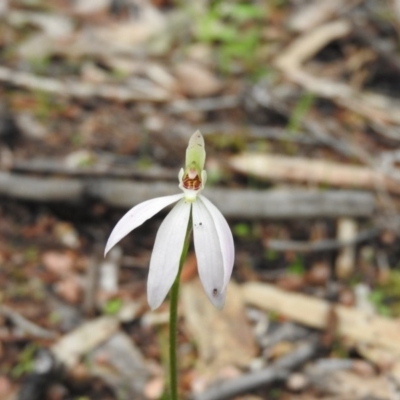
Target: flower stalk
173	320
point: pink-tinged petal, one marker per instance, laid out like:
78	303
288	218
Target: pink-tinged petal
164	262
225	238
136	216
208	253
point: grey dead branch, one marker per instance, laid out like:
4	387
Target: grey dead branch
124	361
323	244
137	91
274	204
340	378
25	325
277	372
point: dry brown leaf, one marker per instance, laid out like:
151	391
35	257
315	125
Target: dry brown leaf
189	270
154	388
69	289
5	387
196	80
386	360
319	274
223	338
58	263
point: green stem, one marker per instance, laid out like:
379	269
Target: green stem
173	320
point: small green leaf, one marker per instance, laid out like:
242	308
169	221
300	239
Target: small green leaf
242	230
297	267
112	306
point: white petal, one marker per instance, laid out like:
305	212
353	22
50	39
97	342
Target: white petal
208	253
136	216
164	263
225	239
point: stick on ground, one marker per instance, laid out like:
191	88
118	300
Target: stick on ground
234	203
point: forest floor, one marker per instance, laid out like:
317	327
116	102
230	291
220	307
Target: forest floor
298	102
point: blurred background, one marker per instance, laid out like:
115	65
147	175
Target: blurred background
298	101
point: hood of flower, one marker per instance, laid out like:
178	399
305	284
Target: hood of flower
196	153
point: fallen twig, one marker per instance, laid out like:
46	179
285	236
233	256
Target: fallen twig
316	12
98	169
303	170
278	371
373	106
258	132
24	324
274	204
208	104
339	378
78	89
321	245
286	331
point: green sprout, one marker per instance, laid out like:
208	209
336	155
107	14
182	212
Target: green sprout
297	267
236	27
112	306
25	362
300	110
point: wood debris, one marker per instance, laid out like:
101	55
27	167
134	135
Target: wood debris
312	172
313	312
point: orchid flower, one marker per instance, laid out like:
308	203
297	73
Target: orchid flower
213	239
